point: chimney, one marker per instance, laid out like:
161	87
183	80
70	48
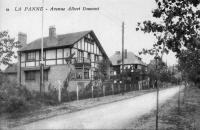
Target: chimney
22	38
52	40
117	53
52	32
125	54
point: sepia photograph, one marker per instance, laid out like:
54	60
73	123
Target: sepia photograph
100	64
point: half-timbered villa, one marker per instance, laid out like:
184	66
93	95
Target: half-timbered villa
83	47
134	68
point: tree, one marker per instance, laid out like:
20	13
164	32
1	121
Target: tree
177	26
161	71
7	48
189	62
102	70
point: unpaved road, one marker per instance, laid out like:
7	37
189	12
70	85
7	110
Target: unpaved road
115	115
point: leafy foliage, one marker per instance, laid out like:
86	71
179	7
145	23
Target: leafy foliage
177	26
102	70
7	48
189	62
158	71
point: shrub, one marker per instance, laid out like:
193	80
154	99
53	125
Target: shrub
85	93
23	91
72	96
16	104
64	95
49	98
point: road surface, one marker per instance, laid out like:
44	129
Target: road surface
116	115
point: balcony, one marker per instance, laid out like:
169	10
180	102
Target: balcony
80	61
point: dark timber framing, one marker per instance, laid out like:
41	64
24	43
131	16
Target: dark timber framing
87	44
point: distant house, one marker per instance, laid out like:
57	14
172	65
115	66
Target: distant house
83	47
133	66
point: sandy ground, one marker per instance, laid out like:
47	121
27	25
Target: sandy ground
11	120
116	115
172	117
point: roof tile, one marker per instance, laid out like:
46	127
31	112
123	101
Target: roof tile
63	40
116	59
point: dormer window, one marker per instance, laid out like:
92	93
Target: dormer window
30	56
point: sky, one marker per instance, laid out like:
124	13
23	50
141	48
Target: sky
105	22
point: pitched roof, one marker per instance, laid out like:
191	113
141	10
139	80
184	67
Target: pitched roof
11	69
116	59
62	40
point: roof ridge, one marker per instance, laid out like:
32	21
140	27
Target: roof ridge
63	40
62	35
75	32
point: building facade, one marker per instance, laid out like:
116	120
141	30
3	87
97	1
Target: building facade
134	68
77	54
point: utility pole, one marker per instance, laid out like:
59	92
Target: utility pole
122	57
42	58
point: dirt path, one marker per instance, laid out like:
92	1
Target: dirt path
111	116
16	119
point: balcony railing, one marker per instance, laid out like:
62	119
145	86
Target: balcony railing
80	61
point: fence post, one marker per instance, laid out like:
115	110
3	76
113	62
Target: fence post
59	91
92	91
77	92
139	85
132	87
104	93
112	89
119	88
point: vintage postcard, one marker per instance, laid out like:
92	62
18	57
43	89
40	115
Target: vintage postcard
99	64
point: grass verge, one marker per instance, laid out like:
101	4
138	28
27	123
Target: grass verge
172	117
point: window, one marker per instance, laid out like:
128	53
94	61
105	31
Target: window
30	75
79	73
30	56
89	56
67	52
136	66
86	73
44	55
95	74
50	54
92	57
97	58
80	56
